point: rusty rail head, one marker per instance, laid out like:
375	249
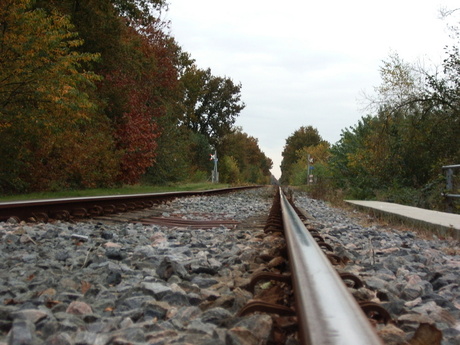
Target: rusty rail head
328	313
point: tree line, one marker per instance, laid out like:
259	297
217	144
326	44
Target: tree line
396	151
97	93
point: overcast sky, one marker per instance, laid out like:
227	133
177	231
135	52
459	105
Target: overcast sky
305	63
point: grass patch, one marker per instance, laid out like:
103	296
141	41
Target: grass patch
137	189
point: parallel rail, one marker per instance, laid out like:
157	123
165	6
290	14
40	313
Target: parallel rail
66	208
327	312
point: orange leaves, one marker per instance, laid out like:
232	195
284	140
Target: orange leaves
61	124
37	58
48	114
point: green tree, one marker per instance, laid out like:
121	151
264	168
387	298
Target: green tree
319	156
172	161
229	172
301	138
423	107
406	142
252	163
182	155
211	103
347	157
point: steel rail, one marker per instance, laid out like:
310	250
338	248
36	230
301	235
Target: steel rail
25	209
327	312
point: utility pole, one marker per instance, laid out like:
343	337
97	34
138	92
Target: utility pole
309	168
215	173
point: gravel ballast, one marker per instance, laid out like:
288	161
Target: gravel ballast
94	283
416	277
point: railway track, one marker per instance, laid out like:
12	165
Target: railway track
326	312
87	207
160	271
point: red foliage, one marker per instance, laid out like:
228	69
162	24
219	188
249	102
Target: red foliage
163	50
145	92
135	131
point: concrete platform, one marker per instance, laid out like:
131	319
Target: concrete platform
441	222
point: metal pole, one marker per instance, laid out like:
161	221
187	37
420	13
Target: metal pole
215	173
215	167
449	188
449	179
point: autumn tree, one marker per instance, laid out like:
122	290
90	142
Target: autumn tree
88	81
138	66
140	96
397	152
301	138
421	103
349	160
45	101
253	165
229	171
139	10
100	23
445	103
316	159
